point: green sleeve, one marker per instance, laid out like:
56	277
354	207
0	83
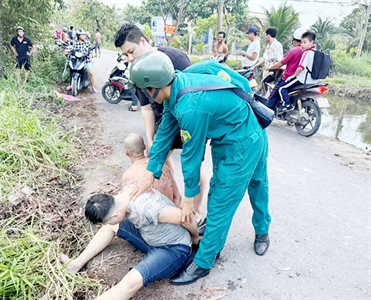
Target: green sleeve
194	128
161	146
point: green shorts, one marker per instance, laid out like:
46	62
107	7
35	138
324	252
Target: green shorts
89	66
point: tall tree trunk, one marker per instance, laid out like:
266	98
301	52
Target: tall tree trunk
178	20
228	24
220	15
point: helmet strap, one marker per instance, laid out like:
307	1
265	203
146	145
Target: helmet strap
151	98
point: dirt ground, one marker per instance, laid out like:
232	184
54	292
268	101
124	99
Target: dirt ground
320	202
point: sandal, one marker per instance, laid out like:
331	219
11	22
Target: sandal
131	108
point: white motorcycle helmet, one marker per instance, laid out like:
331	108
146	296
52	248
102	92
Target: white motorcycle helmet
298	33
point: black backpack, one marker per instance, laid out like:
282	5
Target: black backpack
321	65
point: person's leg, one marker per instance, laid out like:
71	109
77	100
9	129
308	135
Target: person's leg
134	101
26	74
126	288
284	91
96	50
99	242
259	193
199	197
91	76
275	96
17	74
130	233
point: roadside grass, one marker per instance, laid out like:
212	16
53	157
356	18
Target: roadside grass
349	80
32	147
29	267
36	151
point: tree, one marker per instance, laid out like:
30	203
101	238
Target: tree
285	19
324	30
33	15
220	15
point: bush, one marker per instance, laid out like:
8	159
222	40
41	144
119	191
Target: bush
344	63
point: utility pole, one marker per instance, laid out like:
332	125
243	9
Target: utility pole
364	30
220	15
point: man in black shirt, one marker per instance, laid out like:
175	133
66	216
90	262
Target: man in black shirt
133	43
20	46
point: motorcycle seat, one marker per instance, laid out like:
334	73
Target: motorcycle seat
305	87
242	71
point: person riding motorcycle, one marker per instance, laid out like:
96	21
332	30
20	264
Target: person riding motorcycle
84	46
291	60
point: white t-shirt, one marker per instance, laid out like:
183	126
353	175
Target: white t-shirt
254	47
307	61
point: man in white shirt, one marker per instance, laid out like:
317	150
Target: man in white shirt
253	51
273	54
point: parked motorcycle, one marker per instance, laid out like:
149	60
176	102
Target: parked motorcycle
118	87
309	106
77	61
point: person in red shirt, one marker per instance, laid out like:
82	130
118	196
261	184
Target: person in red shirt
291	60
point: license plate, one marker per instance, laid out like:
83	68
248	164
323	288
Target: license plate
322	102
253	83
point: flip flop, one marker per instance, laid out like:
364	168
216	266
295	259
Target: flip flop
131	108
94	91
69	88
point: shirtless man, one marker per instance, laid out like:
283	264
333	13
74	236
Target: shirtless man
98	41
219	47
134	148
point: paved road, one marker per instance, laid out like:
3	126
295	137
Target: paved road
320	202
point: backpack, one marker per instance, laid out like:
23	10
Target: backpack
321	65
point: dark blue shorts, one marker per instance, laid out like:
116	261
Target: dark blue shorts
23	62
160	262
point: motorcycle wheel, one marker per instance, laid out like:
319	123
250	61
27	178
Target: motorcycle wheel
310	126
111	93
74	85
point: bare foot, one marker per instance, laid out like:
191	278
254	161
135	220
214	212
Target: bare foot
72	266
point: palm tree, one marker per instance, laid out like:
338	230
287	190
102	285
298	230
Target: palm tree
285	19
324	30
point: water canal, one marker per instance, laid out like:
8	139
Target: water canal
349	121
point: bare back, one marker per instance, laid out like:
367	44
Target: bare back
97	37
164	185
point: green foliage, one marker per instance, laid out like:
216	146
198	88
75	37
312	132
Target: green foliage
32	148
200	47
33	15
29	268
176	43
344	63
89	15
324	30
285	19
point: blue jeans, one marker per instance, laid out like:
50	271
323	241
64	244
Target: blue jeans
134	99
160	262
275	96
255	70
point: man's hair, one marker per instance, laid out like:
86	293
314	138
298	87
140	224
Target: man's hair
128	32
222	32
98	207
97	29
71	27
134	144
272	31
310	35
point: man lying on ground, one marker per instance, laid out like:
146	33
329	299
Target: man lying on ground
166	185
151	224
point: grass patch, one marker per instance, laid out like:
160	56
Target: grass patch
32	148
29	267
349	80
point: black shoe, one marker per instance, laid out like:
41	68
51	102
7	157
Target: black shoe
261	244
201	226
191	274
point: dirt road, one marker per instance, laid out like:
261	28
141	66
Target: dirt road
320	203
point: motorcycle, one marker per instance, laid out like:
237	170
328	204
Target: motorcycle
118	87
309	106
222	58
77	61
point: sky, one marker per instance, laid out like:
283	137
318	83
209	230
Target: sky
308	9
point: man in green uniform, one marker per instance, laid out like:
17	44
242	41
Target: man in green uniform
239	152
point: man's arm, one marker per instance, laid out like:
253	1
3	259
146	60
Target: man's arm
149	120
13	50
276	66
297	72
173	215
30	52
249	56
225	49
